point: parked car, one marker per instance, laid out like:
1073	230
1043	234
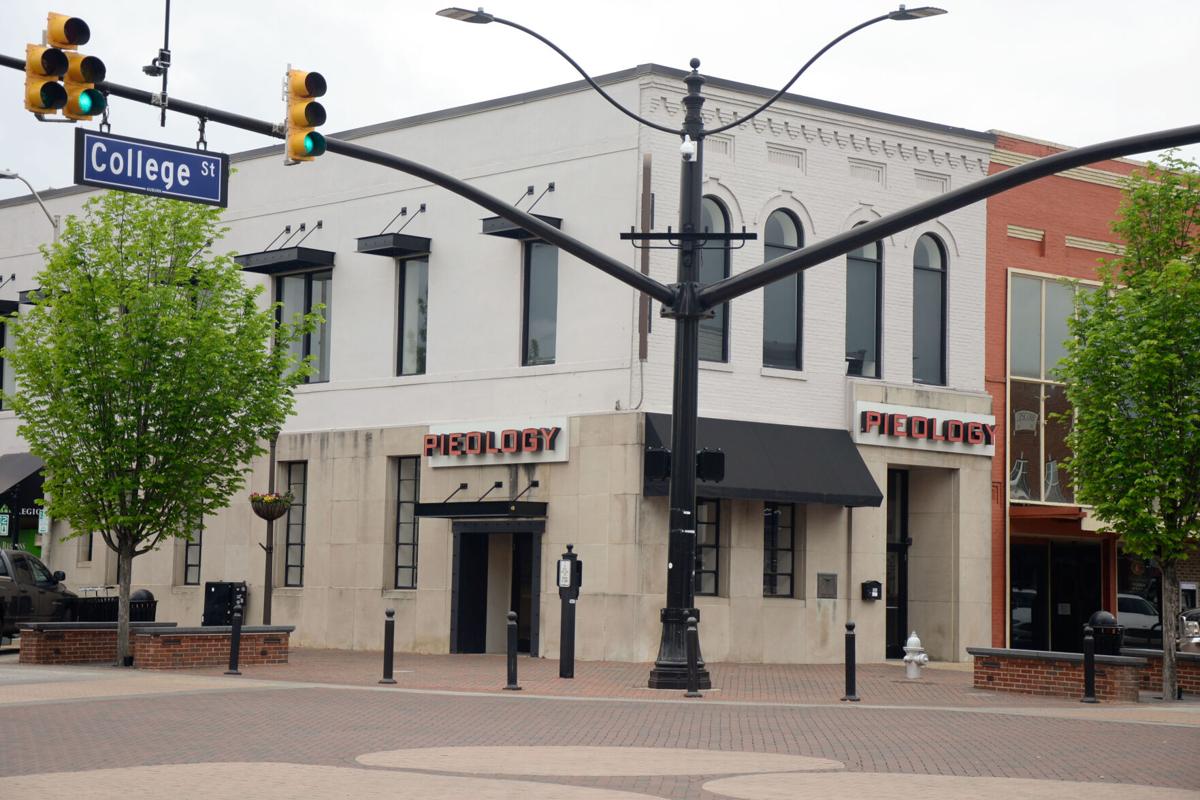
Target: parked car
1143	624
29	592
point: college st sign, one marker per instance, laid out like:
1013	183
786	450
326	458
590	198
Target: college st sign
924	428
503	442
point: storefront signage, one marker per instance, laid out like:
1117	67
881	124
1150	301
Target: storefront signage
924	428
502	442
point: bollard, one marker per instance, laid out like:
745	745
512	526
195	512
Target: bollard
851	694
1089	666
235	641
389	644
693	648
512	653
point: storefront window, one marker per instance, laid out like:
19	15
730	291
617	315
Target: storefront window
779	547
407	494
1139	601
297	484
708	546
191	557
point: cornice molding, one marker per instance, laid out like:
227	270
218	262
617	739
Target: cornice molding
1096	245
1099	177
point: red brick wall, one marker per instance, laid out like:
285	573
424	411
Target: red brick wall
1056	678
1187	674
68	647
184	651
1060	206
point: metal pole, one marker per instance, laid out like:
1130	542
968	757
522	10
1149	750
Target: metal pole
693	653
268	576
670	668
566	657
851	693
512	653
389	644
235	641
1089	666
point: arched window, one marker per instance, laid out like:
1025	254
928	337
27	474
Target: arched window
929	311
714	266
783	301
864	310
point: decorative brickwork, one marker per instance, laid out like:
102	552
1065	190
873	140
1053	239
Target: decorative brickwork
1187	666
72	643
186	648
1118	678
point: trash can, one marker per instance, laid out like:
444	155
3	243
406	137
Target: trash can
1108	635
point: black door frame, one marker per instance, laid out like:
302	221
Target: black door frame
896	649
535	528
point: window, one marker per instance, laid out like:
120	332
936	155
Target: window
783	301
1039	309
864	310
191	557
41	575
299	294
86	542
7	378
408	492
779	547
540	319
929	311
714	266
708	546
414	306
297	484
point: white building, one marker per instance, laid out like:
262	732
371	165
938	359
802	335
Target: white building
515	335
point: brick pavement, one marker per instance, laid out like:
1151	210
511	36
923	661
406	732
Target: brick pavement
244	731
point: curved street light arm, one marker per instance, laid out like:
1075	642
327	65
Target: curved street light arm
38	197
588	78
788	85
722	291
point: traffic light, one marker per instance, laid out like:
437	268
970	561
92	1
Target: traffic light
66	32
303	115
83	98
44	66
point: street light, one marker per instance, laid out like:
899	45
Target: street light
9	175
670	667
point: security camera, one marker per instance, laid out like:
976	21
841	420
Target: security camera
688	149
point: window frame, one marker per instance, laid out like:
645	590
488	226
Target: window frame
771	512
527	249
5	367
322	374
288	543
725	272
798	355
196	544
878	263
944	272
715	525
415	481
423	327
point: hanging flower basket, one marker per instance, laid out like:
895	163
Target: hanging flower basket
270	506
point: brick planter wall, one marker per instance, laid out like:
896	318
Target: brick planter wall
1187	670
74	642
1051	674
185	648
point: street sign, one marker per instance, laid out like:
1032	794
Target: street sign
43	521
3	524
144	167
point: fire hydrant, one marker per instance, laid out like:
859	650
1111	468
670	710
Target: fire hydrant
915	657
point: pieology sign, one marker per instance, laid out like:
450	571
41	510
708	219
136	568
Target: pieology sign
499	442
924	428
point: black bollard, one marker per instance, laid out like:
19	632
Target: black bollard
1089	666
512	653
693	650
851	694
235	641
389	644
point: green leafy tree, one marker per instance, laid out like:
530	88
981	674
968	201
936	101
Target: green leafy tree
146	376
1133	380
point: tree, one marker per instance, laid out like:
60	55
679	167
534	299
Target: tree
1132	376
146	376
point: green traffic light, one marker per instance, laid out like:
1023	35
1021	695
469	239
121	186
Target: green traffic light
314	144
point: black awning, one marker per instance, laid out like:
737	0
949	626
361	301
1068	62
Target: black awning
285	259
16	467
782	463
499	226
491	509
394	245
9	306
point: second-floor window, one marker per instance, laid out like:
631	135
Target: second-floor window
783	301
413	305
929	311
540	307
299	295
7	379
714	266
864	309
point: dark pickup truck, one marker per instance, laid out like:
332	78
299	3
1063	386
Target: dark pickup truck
30	593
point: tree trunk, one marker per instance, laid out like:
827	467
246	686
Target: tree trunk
124	578
1170	626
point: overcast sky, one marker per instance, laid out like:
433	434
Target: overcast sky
1070	71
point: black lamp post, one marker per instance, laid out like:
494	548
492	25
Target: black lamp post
670	668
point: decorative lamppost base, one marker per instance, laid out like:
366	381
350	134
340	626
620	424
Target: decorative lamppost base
670	668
